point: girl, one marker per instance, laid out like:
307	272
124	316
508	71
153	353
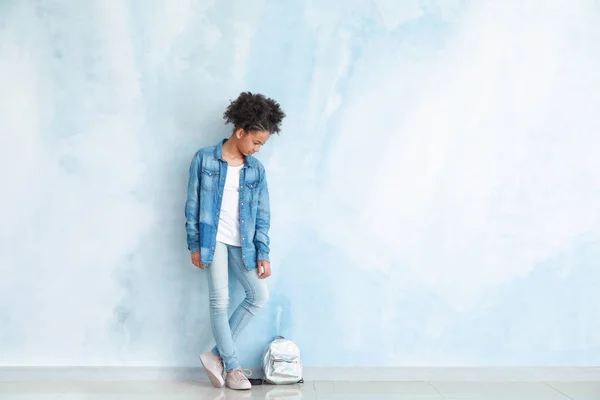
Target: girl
227	223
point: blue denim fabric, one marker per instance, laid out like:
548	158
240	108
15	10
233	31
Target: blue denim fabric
208	171
228	261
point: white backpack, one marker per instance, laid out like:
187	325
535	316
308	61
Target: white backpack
281	362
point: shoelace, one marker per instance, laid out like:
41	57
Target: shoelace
242	374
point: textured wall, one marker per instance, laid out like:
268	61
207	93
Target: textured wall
435	190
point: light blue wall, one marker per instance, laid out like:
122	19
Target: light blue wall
435	189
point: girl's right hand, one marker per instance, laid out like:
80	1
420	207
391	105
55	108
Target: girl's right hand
196	260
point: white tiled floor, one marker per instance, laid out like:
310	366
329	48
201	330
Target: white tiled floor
309	391
579	390
498	391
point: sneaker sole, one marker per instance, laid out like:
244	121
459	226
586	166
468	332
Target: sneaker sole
217	381
248	388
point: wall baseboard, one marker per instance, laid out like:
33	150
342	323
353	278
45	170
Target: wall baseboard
399	374
453	374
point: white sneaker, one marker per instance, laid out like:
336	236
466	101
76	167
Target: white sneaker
213	365
236	380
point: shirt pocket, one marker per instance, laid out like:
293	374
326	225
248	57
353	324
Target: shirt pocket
253	189
210	179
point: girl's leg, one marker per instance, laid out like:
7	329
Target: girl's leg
257	294
218	289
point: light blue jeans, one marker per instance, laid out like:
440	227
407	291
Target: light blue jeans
228	259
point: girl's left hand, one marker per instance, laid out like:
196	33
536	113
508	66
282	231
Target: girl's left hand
264	269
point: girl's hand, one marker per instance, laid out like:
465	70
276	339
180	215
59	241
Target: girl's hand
264	269
196	260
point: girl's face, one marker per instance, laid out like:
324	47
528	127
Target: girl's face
250	142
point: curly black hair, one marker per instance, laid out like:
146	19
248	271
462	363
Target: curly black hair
254	112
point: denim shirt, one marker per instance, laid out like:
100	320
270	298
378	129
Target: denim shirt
208	171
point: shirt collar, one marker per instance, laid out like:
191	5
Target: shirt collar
250	161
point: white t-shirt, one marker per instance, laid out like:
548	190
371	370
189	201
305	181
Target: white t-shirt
229	217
